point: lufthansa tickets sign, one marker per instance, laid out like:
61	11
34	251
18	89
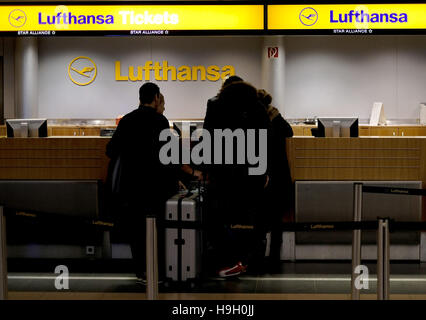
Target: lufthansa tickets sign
51	18
346	18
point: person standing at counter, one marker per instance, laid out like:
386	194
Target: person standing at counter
145	183
280	190
235	197
213	113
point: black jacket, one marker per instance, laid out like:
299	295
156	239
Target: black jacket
236	194
212	114
145	182
281	130
280	189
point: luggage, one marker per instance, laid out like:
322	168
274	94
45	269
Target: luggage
183	236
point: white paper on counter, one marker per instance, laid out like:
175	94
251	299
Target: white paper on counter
377	114
423	113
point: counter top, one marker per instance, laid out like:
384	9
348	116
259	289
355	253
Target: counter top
81	122
81	125
366	125
361	137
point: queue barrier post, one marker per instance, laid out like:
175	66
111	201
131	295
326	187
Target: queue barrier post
3	257
387	260
383	239
356	239
106	245
383	257
151	259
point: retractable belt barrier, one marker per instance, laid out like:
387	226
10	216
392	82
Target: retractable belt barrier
106	224
399	191
329	226
151	243
383	226
383	238
363	225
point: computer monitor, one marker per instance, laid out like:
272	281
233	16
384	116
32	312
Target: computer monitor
193	125
23	128
337	127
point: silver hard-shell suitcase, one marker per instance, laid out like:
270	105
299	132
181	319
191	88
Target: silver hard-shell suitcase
183	238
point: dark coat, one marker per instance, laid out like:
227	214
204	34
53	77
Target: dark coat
280	189
238	196
145	182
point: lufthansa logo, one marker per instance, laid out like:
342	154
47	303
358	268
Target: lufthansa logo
17	18
82	71
103	223
399	191
322	226
308	16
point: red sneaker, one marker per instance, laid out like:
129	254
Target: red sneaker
233	271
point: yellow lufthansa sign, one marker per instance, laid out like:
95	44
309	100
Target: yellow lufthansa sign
126	18
347	16
82	71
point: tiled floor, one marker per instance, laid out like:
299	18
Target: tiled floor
301	280
195	296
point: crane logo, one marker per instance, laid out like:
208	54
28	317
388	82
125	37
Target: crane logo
82	71
308	16
17	18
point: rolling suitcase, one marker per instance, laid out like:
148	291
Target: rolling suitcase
183	237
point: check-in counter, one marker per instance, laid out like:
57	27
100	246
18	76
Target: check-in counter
364	158
324	170
53	158
374	159
407	130
76	131
59	178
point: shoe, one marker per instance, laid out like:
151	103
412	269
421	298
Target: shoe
233	271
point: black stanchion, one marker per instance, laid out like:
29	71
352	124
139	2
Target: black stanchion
356	239
383	260
3	257
383	237
151	259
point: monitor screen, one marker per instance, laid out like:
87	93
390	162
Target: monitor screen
23	128
193	125
337	127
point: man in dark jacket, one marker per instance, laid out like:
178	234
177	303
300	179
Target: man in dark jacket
145	183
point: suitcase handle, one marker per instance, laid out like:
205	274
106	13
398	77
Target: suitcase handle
188	194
